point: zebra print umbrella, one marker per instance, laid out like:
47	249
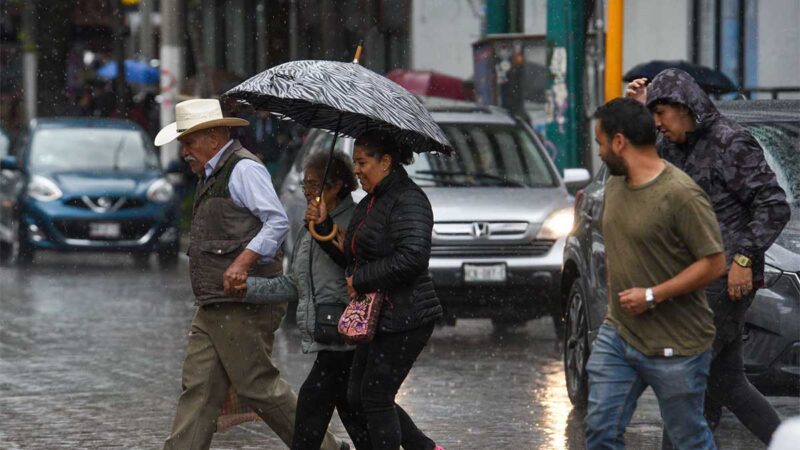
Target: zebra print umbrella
318	94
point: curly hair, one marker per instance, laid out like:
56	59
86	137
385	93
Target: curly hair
341	170
377	143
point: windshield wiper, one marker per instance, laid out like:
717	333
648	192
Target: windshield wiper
440	181
479	175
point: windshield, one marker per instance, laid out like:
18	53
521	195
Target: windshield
781	144
485	155
91	149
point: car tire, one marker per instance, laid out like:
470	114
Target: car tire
576	346
25	251
6	251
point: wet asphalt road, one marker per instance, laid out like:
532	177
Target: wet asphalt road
91	348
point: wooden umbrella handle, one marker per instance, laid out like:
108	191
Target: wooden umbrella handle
313	232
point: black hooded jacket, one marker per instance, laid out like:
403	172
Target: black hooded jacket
726	161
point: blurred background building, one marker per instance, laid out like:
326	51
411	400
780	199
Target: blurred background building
520	54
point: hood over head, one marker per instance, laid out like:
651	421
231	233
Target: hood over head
677	86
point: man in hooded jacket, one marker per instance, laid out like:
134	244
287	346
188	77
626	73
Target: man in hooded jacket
728	163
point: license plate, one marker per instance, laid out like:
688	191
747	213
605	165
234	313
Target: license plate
104	230
474	273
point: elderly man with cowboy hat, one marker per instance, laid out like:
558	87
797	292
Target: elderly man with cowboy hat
238	225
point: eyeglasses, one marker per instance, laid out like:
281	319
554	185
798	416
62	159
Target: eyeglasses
312	186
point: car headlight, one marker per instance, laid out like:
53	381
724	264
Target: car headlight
558	224
160	191
43	189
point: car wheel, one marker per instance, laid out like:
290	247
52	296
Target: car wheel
25	251
168	257
576	347
6	251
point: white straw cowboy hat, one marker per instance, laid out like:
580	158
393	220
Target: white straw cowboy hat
195	115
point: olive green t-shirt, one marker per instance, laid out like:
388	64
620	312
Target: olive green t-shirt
652	233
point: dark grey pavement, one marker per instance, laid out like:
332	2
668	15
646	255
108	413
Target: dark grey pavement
91	348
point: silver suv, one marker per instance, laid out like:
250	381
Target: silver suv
501	214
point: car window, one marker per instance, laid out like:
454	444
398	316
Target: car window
90	149
485	155
781	144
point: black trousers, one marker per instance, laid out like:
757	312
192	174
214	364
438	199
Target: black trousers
325	388
727	384
379	369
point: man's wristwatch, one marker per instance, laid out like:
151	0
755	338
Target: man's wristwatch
649	298
742	260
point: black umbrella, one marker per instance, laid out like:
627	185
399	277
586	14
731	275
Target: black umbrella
344	98
712	81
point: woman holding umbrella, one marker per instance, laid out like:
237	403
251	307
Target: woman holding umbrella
388	241
386	248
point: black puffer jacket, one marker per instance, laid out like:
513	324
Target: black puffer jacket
392	230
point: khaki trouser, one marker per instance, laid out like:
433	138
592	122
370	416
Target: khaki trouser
231	343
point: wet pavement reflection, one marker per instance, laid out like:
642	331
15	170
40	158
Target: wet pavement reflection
91	348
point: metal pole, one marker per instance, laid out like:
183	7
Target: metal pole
262	33
146	29
566	123
497	16
30	59
293	31
614	31
171	55
120	90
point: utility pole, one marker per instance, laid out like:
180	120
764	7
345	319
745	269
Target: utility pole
294	51
30	59
613	74
120	90
146	29
566	37
171	56
497	17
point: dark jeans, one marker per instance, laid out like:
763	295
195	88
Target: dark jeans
379	368
727	384
325	388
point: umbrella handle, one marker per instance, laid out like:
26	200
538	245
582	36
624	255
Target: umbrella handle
313	232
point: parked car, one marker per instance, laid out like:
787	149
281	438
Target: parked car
772	331
501	214
86	184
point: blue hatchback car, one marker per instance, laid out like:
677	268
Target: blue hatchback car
86	184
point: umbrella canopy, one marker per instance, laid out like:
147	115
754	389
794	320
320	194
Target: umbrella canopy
345	98
712	81
431	83
135	72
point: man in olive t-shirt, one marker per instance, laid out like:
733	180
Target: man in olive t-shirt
663	245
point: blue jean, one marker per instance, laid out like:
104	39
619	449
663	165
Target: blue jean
618	374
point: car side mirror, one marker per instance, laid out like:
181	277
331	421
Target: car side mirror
9	163
576	179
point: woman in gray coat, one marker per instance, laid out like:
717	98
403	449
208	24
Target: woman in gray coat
320	283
